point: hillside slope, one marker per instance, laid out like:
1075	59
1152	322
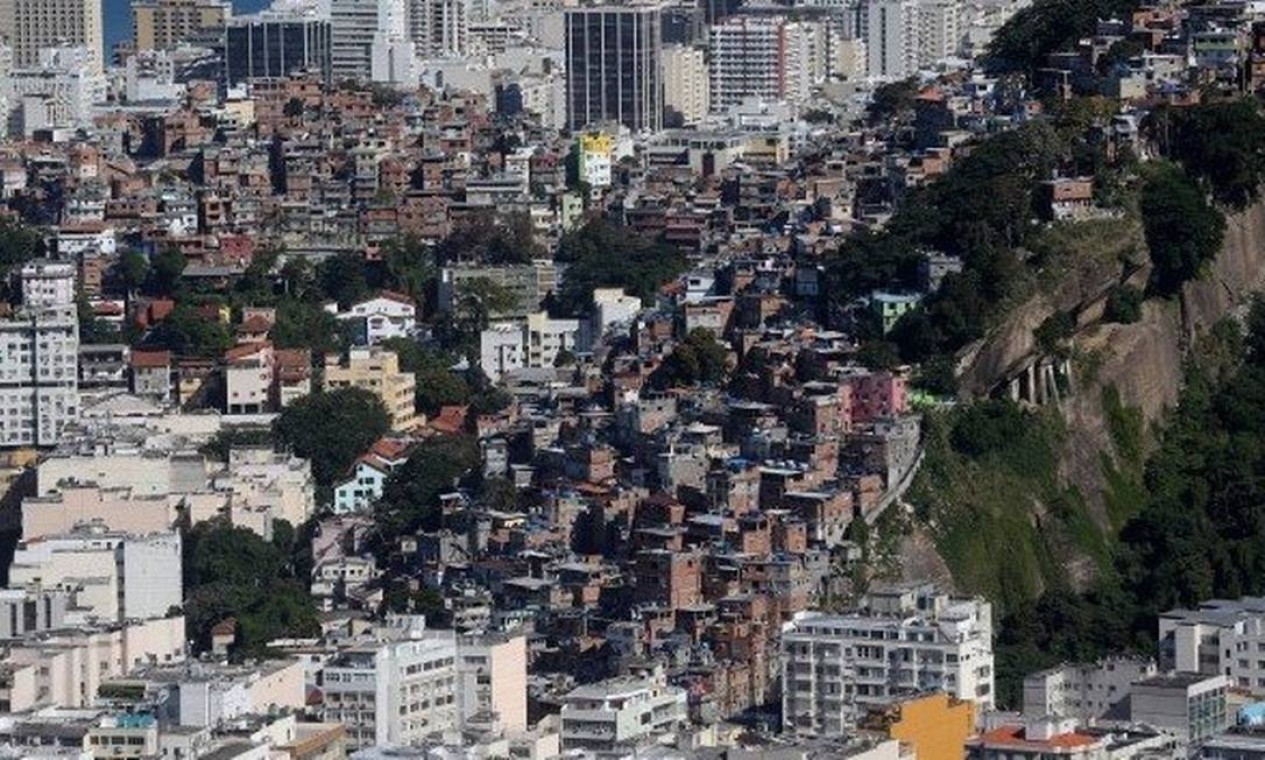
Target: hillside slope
1125	377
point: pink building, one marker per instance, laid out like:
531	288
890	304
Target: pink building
877	394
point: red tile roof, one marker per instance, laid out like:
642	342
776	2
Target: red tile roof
1014	737
151	359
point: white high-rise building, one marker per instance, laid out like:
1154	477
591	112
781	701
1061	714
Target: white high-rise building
60	91
940	35
891	30
395	691
29	26
367	36
686	99
766	57
439	28
906	640
39	356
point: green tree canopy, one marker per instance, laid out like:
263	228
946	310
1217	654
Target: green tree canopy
331	429
600	254
410	499
1183	231
700	358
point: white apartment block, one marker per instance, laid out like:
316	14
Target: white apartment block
439	28
621	714
939	33
393	692
905	640
1083	691
746	60
686	90
766	57
891	30
533	343
39	361
1220	637
114	576
47	284
60	90
361	30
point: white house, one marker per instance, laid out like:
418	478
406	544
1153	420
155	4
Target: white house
369	476
387	315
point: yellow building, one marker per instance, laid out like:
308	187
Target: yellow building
935	726
161	24
378	371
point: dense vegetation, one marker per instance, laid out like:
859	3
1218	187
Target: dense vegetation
601	254
331	429
410	500
1190	519
234	573
1024	42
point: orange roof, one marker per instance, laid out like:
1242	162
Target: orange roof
151	359
390	449
451	419
237	353
1013	736
256	324
392	295
293	357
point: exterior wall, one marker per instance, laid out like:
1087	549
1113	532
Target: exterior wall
378	371
935	726
38	376
39	24
611	50
493	677
360	491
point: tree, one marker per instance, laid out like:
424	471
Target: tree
132	269
293	108
302	324
410	266
331	429
1182	230
233	572
491	238
342	278
1124	305
165	271
1051	335
187	333
1220	143
600	254
1024	42
410	498
700	358
894	99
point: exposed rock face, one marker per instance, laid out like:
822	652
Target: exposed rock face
1143	361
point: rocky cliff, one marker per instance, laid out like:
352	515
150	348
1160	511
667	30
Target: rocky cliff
1142	361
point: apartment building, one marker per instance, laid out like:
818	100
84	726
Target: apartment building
377	370
1084	691
1219	637
114	576
439	28
61	90
39	359
369	476
902	640
163	24
766	57
532	343
492	680
1188	706
29	26
621	714
393	692
686	94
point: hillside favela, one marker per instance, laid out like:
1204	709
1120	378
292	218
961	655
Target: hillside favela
649	380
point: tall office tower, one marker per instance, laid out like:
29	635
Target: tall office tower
362	30
276	45
39	354
439	28
685	86
891	30
614	67
939	32
162	24
32	25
